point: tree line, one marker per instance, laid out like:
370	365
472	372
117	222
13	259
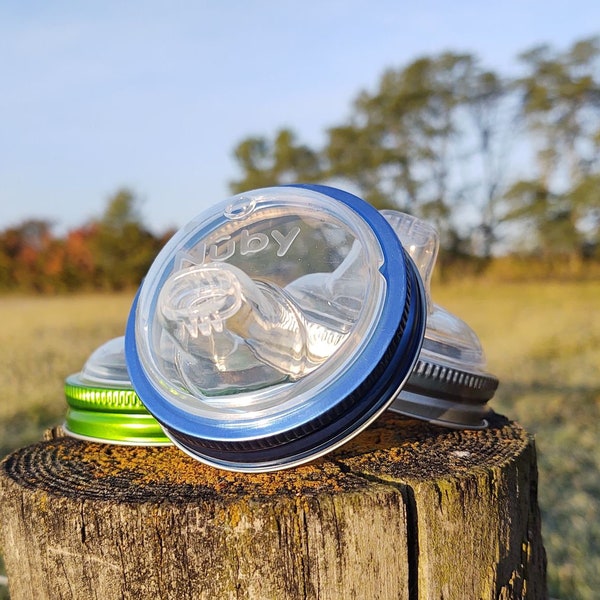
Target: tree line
112	252
501	165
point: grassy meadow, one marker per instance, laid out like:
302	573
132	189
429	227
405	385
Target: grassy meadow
542	340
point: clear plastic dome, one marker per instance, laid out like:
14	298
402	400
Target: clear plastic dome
106	365
102	404
266	312
447	337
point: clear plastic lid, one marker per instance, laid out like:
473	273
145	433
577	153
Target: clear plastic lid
264	313
450	384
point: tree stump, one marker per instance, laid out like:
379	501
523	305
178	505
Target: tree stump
405	510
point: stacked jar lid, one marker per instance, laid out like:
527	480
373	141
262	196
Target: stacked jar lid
276	326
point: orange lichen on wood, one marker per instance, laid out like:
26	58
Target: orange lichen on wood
393	448
147	466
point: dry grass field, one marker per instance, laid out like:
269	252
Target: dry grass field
542	340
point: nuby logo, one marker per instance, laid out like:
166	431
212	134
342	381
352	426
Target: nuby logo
248	243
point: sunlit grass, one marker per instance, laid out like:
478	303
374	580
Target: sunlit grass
542	340
42	340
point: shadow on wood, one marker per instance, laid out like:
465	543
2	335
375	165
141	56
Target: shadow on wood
405	510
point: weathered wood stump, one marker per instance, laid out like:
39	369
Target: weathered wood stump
406	510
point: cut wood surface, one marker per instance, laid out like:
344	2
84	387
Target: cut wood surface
405	510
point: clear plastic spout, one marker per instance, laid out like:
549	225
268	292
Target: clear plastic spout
447	337
219	317
422	243
210	309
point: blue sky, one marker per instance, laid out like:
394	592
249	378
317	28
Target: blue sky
154	95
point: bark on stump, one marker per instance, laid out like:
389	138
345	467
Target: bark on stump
406	510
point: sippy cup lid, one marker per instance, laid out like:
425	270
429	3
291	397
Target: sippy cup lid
102	404
275	326
449	385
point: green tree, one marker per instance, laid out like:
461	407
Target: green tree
123	248
410	144
560	104
265	162
492	115
403	145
